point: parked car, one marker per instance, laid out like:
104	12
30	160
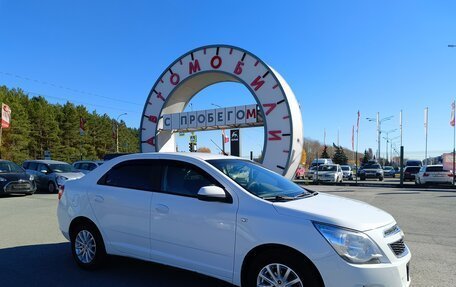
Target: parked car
410	172
321	161
371	170
389	171
14	179
413	162
347	172
433	174
85	166
310	172
329	173
231	219
51	174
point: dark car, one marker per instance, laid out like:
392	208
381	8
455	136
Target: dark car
14	179
389	171
410	172
371	170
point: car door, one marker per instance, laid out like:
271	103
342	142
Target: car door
121	203
188	232
42	172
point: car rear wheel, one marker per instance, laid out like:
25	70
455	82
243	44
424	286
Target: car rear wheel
282	268
87	246
51	187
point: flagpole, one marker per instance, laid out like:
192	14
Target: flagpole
454	138
356	152
426	131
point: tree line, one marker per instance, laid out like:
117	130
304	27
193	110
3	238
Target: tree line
38	126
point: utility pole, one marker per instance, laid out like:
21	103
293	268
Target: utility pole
379	130
117	131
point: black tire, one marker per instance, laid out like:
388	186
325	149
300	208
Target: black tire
380	179
52	188
362	178
99	250
300	265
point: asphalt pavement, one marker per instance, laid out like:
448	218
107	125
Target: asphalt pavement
34	253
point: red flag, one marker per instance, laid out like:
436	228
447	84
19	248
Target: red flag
82	123
452	121
6	116
225	138
357	122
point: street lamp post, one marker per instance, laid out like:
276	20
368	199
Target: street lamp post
387	138
379	131
454	132
223	133
117	131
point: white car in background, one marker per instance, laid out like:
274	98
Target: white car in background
347	172
433	174
231	219
329	173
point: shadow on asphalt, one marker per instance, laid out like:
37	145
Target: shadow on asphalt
53	265
399	193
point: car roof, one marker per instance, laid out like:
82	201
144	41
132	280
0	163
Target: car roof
201	155
46	161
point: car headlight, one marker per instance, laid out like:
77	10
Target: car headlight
3	179
61	180
31	178
353	246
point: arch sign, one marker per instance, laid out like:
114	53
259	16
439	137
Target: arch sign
208	65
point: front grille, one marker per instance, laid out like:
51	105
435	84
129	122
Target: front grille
18	186
398	247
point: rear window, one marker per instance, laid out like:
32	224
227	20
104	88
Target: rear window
371	166
345	167
413	169
435	168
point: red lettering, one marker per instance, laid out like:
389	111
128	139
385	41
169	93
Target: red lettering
257	83
194	67
238	69
216	62
174	79
274	135
270	107
151	141
152	119
159	96
251	113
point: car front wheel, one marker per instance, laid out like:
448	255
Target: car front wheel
282	268
51	187
87	246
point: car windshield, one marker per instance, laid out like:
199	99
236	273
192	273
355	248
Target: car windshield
259	181
62	167
387	167
345	167
10	167
327	168
371	166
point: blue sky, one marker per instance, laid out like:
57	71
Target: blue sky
338	57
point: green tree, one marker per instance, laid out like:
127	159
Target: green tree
339	156
324	154
366	157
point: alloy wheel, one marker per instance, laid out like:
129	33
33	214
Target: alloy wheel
278	275
85	246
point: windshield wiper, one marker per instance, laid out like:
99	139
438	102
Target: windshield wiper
306	194
278	198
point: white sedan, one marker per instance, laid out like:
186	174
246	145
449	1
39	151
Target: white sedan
231	219
329	173
433	174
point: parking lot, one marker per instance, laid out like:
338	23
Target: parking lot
34	253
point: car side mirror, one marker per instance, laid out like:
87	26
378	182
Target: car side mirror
44	171
213	193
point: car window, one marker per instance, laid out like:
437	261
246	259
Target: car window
42	167
134	174
91	166
327	168
185	179
345	168
10	167
32	166
435	168
77	165
25	164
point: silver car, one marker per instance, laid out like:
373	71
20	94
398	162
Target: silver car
50	175
86	166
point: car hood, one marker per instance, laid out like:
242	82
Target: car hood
335	210
326	172
15	176
71	175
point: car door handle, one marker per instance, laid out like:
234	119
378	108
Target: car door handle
98	198
160	208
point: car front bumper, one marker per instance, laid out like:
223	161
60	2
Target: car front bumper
23	186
